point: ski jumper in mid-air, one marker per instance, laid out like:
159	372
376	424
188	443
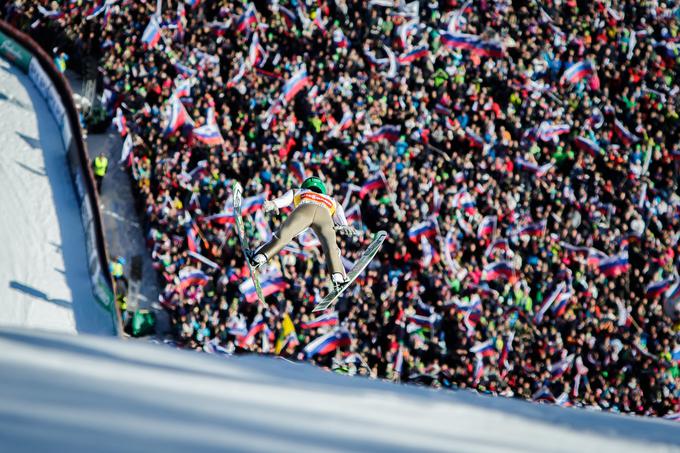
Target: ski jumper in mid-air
314	209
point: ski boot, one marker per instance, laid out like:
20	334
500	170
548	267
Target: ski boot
257	260
339	280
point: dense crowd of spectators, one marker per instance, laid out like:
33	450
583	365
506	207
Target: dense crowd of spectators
528	185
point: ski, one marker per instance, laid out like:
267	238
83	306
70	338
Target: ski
241	233
352	275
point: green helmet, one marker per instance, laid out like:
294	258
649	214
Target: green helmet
314	184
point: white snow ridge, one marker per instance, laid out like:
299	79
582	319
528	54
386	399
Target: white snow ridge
95	394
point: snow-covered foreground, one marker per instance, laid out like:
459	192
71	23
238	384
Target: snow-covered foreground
44	281
85	393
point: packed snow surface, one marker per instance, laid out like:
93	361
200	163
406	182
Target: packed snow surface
89	394
44	280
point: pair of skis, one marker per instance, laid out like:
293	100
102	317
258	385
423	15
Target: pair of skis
327	301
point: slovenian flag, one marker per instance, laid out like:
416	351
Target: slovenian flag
288	16
192	237
589	146
353	214
487	226
252	204
414	54
473	43
626	136
560	305
177	118
258	326
485	349
615	265
190	276
577	72
373	184
327	343
548	132
426	229
271	283
558	369
326	319
536	229
655	289
547	303
208	134
388	132
256	52
297	169
152	33
297	82
499	269
246	19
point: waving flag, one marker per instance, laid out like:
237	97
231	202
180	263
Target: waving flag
549	132
589	146
499	244
297	169
538	170
256	52
246	20
387	132
223	218
405	30
487	227
51	14
536	229
414	54
183	88
655	289
152	33
485	349
560	305
611	267
353	214
192	237
499	269
177	118
373	184
288	17
203	259
252	204
558	369
296	83
272	282
473	43
577	72
326	319
328	343
208	134
258	326
190	276
547	303
426	229
626	136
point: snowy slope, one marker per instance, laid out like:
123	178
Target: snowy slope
85	394
44	280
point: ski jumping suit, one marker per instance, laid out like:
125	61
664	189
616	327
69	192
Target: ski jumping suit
312	210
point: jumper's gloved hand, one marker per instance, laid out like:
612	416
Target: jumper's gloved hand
346	230
270	206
